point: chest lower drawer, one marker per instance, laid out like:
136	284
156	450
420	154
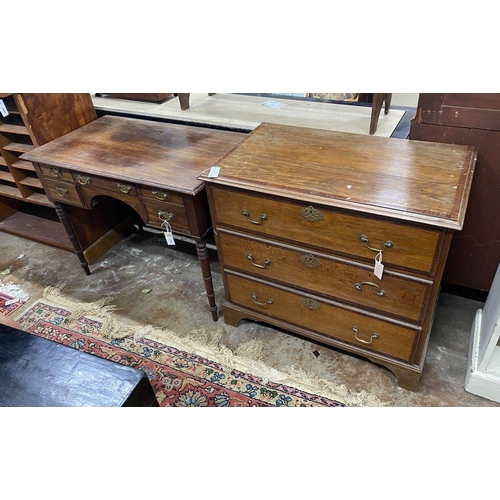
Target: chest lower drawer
325	275
350	234
322	316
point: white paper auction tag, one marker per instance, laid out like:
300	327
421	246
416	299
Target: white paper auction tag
379	267
214	172
169	237
3	109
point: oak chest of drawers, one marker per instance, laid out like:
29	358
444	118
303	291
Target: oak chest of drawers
340	238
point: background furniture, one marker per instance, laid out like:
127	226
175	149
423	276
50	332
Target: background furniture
472	119
148	166
25	210
483	365
36	372
158	98
303	219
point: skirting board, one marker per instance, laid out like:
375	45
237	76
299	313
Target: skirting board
484	383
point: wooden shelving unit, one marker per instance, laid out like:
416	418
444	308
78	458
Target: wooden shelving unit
33	120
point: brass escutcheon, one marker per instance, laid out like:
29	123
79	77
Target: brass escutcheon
311	261
310	214
373	336
311	304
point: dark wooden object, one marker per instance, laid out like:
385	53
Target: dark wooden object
184	101
158	98
152	167
379	100
36	372
300	217
469	119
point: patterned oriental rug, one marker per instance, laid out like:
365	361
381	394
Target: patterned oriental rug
196	370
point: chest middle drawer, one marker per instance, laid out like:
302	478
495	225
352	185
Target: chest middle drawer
349	233
340	279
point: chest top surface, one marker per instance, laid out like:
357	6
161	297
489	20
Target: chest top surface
161	154
410	180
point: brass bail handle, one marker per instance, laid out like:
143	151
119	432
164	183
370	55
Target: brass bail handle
267	262
263	217
124	188
165	216
387	244
84	181
262	304
373	336
359	286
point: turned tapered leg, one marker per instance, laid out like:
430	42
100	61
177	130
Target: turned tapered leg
204	260
62	213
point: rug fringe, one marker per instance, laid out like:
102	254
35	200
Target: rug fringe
246	358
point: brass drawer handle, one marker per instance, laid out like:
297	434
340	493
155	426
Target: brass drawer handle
84	181
55	172
387	244
373	336
267	262
160	195
124	188
262	304
359	286
263	217
165	216
311	214
61	191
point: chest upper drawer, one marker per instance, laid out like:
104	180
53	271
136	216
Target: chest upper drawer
92	181
325	228
322	316
322	274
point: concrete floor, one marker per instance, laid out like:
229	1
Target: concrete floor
177	301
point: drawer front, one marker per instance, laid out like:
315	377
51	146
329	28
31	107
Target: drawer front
325	275
56	173
334	231
314	314
91	181
160	195
175	215
62	191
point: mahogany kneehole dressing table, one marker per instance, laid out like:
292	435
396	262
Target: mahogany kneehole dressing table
150	166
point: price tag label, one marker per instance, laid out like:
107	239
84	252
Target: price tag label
3	109
169	238
379	267
214	172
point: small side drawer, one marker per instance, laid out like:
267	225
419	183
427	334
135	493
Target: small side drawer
113	186
155	194
56	173
339	279
315	314
62	191
175	215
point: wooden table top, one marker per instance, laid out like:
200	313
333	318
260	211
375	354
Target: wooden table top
411	180
163	155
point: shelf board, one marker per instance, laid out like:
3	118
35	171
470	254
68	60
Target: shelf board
5	176
33	182
3	162
18	147
13	129
40	199
37	229
24	165
11	192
